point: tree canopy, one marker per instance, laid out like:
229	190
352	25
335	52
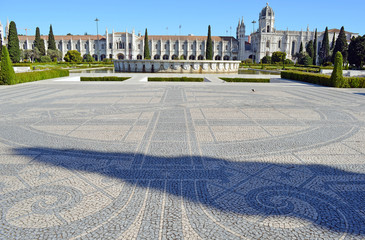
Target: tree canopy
341	45
324	52
147	54
51	40
209	49
73	56
356	52
7	74
13	43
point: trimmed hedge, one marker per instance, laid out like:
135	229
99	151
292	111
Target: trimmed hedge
322	79
176	79
262	80
40	75
89	79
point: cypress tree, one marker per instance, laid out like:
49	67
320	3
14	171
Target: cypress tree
333	41
324	52
209	50
310	49
7	74
337	77
13	43
39	43
146	46
51	41
301	47
341	45
315	46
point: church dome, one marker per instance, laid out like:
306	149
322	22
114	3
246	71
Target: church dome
267	11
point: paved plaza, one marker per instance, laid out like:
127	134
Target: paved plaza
211	160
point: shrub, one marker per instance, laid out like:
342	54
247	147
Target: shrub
264	80
40	75
314	78
45	59
73	56
288	62
278	57
266	60
107	60
88	58
177	79
337	77
7	74
248	61
326	64
322	79
89	79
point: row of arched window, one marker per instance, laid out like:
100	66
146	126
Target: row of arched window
175	57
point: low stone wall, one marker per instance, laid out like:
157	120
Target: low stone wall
176	66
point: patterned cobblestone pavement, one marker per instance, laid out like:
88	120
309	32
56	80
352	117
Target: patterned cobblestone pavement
181	161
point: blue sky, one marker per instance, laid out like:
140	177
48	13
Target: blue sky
77	17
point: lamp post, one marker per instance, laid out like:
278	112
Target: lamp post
253	29
97	35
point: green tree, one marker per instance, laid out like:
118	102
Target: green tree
147	54
73	56
51	41
45	59
324	52
341	45
7	74
278	57
87	58
304	59
356	52
301	47
39	43
55	55
13	43
333	41
310	49
209	50
266	60
315	47
337	77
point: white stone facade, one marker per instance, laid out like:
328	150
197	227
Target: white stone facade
125	45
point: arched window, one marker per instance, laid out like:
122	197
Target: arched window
174	57
200	57
268	28
156	57
279	44
165	57
139	57
226	58
217	57
95	57
120	56
111	56
293	48
268	44
192	57
102	57
234	58
183	57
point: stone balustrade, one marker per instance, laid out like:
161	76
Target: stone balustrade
176	66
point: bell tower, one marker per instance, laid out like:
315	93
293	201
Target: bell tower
267	20
241	34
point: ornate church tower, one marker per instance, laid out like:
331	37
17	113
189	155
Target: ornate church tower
267	20
7	29
241	33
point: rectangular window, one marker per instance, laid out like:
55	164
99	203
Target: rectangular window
165	46
85	46
201	47
226	47
94	46
156	46
110	45
129	45
217	47
192	47
139	46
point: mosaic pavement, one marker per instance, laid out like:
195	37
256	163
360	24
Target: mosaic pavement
181	161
